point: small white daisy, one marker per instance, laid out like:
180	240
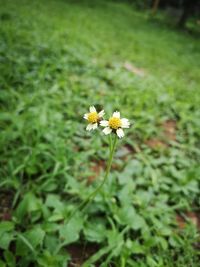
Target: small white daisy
115	123
93	118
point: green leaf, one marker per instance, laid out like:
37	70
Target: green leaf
10	259
69	232
95	232
35	236
114	238
176	241
135	247
133	167
125	195
23	246
2	264
6	227
49	185
55	217
29	204
51	242
5	240
47	259
125	215
53	201
162	242
6	234
151	262
50	227
138	222
29	240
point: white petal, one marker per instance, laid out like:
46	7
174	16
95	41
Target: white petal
101	113
116	114
92	109
107	130
125	123
89	127
104	123
120	133
94	126
85	116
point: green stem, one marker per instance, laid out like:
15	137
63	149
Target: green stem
93	194
112	150
112	146
110	142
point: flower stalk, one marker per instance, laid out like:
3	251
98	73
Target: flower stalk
112	146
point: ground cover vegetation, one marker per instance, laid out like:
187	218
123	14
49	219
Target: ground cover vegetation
57	58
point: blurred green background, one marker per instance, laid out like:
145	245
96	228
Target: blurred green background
57	58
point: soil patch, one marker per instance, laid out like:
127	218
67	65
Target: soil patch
80	253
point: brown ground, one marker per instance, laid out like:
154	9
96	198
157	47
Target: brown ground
6	199
80	253
194	217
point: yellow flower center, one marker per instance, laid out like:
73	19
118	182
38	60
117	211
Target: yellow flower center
93	117
114	123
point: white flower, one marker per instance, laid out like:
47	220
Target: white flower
115	123
93	118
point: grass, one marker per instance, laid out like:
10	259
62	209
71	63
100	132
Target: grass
58	58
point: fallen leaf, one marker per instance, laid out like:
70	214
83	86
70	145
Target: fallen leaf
128	66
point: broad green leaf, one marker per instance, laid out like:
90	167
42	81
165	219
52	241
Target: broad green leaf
125	215
49	186
6	227
95	232
28	204
125	195
114	238
29	240
49	260
162	242
5	239
23	246
133	167
51	242
10	258
69	232
6	234
176	241
50	227
138	222
151	262
53	201
35	236
55	217
2	264
135	247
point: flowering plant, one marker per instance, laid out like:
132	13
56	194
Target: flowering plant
112	127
